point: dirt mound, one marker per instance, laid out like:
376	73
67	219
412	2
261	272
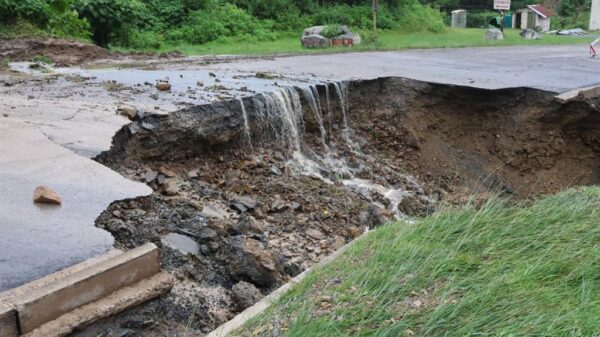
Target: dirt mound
63	52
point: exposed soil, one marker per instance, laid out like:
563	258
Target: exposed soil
237	211
63	52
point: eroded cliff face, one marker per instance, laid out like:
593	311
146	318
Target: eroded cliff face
248	193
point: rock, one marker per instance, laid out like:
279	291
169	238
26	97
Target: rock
148	126
150	176
315	30
250	261
314	41
276	171
127	111
414	205
338	242
214	211
170	188
200	83
135	128
193	174
346	40
494	34
279	205
320	30
530	34
244	295
247	225
355	231
315	234
220	316
167	171
163	86
46	195
374	216
242	204
266	76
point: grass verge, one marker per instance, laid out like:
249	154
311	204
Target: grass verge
388	40
503	270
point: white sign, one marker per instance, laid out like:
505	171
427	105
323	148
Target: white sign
502	5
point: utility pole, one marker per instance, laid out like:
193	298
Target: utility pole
375	9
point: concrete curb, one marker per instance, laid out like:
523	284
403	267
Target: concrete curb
248	314
8	321
34	304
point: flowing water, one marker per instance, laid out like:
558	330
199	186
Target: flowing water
280	119
246	126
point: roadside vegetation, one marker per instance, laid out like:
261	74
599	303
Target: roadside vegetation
498	270
258	26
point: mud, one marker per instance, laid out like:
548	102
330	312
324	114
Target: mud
63	52
249	193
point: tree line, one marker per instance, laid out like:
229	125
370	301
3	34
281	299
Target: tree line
148	23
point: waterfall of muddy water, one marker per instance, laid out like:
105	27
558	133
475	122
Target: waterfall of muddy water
280	121
246	126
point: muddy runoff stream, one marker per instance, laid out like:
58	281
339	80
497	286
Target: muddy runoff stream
250	192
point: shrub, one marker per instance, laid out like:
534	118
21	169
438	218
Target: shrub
144	39
220	22
422	18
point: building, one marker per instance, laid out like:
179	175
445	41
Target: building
595	15
533	17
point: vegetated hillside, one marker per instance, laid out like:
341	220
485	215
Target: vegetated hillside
502	270
151	23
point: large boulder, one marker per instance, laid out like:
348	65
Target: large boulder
346	40
494	34
320	30
315	30
314	41
530	34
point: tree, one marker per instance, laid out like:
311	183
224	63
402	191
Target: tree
110	17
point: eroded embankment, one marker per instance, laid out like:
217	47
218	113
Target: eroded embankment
250	193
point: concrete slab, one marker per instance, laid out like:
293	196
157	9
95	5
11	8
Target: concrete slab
38	240
118	301
90	284
8	322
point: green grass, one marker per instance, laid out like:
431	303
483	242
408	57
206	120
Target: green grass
521	270
389	40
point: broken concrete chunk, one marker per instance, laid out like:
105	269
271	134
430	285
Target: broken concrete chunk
46	195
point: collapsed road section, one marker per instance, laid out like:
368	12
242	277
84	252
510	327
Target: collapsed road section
250	192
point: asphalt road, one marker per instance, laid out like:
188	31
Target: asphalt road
553	68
